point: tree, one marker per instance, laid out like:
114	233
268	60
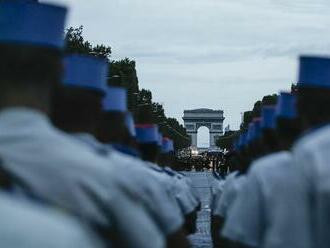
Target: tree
153	112
75	43
227	140
247	118
256	111
123	73
269	100
126	71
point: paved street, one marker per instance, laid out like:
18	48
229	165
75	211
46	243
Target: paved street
202	185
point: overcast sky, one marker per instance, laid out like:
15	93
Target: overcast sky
219	54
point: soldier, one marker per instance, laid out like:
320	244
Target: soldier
131	146
167	153
311	151
147	138
268	124
113	129
28	225
228	194
78	111
58	169
272	193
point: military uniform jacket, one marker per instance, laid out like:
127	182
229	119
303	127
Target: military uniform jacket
67	174
175	188
144	184
26	225
220	203
270	210
312	160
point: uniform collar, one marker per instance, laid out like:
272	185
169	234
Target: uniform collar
18	116
309	132
314	129
86	137
155	166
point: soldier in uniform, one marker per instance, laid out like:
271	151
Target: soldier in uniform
272	193
25	224
58	169
311	151
147	138
83	94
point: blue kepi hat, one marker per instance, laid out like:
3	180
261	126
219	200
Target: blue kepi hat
86	72
268	117
286	106
115	99
167	145
147	133
32	23
314	72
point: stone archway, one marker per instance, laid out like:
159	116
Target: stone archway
196	118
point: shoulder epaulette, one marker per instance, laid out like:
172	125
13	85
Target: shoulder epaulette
156	169
168	172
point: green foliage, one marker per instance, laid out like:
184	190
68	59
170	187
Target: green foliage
126	72
247	118
226	141
294	88
256	111
149	111
123	73
173	129
75	43
145	97
269	100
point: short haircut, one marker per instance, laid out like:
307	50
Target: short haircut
149	152
29	65
270	140
288	129
75	108
314	105
112	128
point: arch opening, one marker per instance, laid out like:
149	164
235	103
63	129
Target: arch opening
203	137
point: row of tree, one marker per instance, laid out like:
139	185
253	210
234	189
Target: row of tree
123	73
226	141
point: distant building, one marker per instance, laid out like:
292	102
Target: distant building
196	118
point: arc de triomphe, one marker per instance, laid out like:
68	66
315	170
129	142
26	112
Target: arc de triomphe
196	118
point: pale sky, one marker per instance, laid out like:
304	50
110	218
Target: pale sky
219	54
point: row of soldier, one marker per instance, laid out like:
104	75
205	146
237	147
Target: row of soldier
76	171
277	193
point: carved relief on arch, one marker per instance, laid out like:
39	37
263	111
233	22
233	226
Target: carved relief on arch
190	127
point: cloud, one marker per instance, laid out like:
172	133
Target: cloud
213	53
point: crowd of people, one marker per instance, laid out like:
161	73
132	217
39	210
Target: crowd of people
201	162
76	171
277	193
